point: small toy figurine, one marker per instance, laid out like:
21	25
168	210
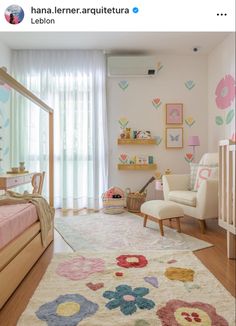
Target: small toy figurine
122	133
127	133
168	171
158	175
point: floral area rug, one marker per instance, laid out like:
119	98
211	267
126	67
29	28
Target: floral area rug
129	289
99	231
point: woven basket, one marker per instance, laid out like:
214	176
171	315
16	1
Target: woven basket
113	205
134	201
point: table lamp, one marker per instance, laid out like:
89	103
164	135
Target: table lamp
193	141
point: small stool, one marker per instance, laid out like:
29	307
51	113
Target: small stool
160	210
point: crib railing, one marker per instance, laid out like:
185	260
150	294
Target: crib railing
227	188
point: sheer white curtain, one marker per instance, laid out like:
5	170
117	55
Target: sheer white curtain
73	83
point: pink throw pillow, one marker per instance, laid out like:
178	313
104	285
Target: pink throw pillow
204	173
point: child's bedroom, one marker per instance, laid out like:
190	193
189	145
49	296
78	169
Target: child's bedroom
117	178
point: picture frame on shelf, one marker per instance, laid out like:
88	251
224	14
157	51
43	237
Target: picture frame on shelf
174	113
142	159
174	137
143	134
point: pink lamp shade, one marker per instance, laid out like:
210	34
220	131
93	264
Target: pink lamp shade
193	141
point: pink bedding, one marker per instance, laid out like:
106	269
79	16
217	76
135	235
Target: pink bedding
14	219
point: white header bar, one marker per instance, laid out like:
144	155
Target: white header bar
121	15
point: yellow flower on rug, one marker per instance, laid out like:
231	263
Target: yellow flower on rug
179	274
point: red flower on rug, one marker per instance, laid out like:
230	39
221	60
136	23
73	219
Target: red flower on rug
128	261
177	312
80	267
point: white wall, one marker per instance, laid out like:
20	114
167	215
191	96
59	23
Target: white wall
135	103
5	56
221	62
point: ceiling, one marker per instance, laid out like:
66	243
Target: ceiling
180	43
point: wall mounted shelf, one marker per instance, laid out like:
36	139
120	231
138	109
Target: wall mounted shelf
137	167
136	141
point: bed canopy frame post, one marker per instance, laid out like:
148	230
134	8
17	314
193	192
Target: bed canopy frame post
51	159
5	78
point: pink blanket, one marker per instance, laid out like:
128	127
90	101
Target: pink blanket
14	219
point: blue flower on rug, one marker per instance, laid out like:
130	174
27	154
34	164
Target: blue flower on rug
68	309
128	300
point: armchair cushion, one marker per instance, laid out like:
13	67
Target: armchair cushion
188	198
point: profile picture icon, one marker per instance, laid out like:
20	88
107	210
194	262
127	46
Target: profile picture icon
14	14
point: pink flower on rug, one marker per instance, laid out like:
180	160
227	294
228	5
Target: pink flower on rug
127	261
225	92
177	312
80	267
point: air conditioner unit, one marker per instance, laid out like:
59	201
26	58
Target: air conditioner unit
132	66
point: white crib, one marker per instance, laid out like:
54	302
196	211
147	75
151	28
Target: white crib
227	188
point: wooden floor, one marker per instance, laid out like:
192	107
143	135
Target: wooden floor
214	258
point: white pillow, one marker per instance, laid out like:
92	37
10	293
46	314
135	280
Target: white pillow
204	173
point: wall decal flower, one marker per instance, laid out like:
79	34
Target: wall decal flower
68	309
4	93
80	267
189	121
123	84
188	157
158	139
129	261
128	299
219	120
230	116
6	151
156	102
178	312
179	274
123	158
225	92
123	122
189	84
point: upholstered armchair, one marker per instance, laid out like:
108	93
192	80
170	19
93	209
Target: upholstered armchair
201	204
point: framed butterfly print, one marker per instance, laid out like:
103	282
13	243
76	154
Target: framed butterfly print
174	137
174	113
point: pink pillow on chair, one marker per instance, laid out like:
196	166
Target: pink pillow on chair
204	173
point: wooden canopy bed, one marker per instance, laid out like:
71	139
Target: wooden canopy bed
19	255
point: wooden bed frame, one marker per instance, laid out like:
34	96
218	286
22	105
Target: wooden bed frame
18	257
